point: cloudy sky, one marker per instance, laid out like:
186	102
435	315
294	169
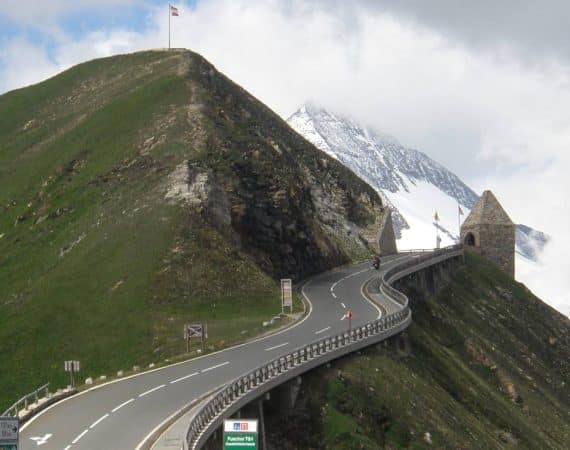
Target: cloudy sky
482	87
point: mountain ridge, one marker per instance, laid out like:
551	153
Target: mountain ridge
394	169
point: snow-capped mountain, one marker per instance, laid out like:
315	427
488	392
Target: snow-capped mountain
413	185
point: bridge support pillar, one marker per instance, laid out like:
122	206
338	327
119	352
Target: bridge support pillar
294	389
262	422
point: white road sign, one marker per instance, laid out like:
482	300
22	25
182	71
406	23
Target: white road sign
71	366
9	430
196	330
287	292
240	425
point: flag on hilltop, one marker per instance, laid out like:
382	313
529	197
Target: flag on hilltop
460	210
172	11
436	217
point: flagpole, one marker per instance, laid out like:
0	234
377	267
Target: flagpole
458	223
436	236
435	221
169	14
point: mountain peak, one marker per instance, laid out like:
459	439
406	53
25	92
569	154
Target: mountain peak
411	183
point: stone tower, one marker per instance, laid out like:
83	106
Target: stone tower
489	231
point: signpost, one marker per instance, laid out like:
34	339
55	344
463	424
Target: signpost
71	367
348	315
9	433
195	331
286	294
240	434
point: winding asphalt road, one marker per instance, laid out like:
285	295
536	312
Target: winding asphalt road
119	415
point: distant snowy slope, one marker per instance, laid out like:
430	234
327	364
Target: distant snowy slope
413	185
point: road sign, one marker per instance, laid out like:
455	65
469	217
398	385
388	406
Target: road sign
9	433
71	366
240	434
348	315
286	293
195	331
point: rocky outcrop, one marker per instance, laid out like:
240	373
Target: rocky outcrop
290	206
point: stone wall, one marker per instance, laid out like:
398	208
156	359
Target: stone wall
494	242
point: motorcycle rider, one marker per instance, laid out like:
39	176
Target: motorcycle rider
376	262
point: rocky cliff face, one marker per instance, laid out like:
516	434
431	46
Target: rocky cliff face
294	209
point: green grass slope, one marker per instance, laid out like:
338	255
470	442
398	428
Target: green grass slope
486	365
144	191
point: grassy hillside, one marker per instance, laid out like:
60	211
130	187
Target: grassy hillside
144	191
485	365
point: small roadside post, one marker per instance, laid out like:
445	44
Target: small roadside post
286	294
9	433
348	315
195	331
72	367
240	434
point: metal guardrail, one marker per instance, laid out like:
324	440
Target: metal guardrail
260	380
13	410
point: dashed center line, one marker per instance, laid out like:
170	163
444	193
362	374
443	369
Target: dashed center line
184	378
76	440
343	305
122	404
100	419
323	330
214	367
333	294
152	390
276	346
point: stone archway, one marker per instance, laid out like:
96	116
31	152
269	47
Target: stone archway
469	240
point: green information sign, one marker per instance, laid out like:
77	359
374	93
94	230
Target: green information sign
240	434
8	447
240	441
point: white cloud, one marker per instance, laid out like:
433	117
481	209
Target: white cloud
495	120
41	12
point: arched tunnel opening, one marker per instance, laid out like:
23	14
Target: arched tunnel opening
470	240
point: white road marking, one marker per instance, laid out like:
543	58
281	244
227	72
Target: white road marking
343	305
184	378
41	440
333	294
323	330
67	448
122	404
214	367
276	346
100	419
76	440
152	390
